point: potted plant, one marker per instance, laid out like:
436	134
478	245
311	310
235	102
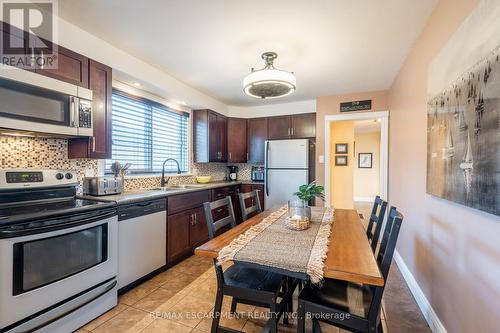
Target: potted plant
305	194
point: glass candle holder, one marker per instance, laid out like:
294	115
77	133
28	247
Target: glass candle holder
298	208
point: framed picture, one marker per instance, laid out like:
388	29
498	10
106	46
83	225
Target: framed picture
341	148
365	160
341	160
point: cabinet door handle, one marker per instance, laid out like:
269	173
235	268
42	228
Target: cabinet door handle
289	131
191	219
195	218
229	155
293	131
247	157
93	144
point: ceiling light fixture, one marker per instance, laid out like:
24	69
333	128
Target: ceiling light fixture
269	82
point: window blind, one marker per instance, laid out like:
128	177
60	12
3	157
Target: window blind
145	133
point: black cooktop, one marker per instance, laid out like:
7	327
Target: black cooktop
16	213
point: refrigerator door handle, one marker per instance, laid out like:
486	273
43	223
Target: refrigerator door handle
266	180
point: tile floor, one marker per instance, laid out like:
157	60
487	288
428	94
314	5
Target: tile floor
182	298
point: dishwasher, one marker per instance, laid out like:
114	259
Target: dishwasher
142	240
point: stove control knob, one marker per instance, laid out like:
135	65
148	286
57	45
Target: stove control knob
69	175
59	176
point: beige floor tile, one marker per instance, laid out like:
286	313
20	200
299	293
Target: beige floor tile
326	328
203	290
233	321
166	325
133	296
252	326
191	310
129	321
195	285
180	282
105	317
165	277
154	300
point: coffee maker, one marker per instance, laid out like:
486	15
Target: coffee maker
232	173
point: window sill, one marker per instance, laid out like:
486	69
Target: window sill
156	175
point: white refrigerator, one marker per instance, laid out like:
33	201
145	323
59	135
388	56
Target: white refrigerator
286	168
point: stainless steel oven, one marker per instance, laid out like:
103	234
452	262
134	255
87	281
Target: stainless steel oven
58	254
39	104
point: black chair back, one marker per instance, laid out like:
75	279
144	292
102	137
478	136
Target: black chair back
379	206
384	258
214	226
255	208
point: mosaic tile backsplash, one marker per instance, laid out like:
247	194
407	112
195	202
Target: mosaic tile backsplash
25	152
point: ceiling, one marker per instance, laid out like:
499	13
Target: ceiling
367	126
333	46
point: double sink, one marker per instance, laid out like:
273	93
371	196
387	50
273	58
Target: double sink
179	187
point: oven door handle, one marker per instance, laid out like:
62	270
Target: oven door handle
59	224
68	307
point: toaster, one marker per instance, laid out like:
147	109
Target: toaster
102	185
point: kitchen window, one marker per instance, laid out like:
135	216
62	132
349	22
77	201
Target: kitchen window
145	133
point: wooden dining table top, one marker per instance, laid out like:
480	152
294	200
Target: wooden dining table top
349	257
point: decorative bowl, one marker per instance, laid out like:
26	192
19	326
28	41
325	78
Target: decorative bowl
203	179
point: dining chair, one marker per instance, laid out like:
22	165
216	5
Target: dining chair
377	218
351	306
253	209
244	284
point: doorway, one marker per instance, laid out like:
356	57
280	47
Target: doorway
356	159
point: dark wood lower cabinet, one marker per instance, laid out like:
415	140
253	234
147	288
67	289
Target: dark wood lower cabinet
245	188
186	223
198	230
178	243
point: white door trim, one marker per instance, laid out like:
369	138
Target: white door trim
384	147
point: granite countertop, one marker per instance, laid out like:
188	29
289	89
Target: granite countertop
139	195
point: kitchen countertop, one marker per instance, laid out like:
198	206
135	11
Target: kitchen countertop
139	195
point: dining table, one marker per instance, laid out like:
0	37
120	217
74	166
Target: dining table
349	258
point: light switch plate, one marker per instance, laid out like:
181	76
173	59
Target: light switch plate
321	158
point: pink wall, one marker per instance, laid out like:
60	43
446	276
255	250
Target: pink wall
452	251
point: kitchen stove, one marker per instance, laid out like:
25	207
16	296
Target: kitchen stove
58	253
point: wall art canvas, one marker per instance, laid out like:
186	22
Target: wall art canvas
463	138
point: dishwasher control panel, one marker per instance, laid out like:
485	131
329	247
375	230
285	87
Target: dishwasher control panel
137	209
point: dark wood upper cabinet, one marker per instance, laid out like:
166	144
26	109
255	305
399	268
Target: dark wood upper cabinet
298	126
237	140
71	67
303	125
99	146
222	140
279	127
256	137
209	136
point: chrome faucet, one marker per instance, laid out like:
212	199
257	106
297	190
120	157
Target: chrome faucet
163	182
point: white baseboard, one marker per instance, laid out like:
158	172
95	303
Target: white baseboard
430	316
364	199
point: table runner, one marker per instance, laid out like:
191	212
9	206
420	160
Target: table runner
270	243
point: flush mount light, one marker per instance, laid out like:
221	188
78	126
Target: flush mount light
269	82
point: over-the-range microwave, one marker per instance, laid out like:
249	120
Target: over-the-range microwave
33	103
